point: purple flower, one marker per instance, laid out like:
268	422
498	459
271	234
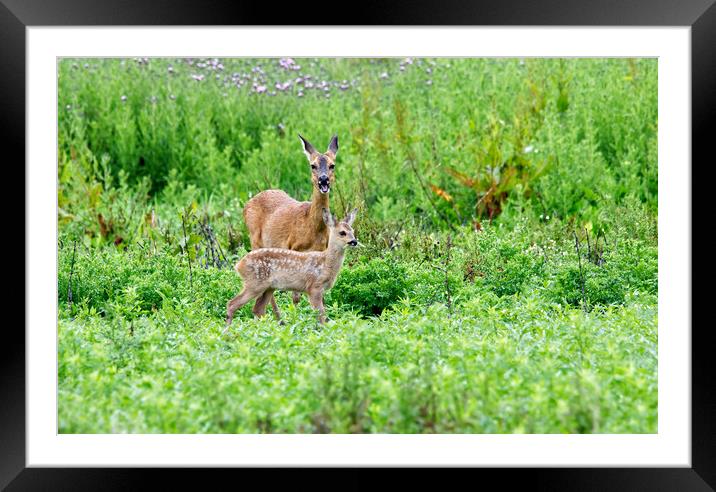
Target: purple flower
198	78
260	89
282	87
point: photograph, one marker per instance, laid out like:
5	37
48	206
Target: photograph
357	245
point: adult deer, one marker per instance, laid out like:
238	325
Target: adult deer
275	220
313	272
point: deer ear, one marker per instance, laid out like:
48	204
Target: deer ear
333	146
307	147
328	218
351	216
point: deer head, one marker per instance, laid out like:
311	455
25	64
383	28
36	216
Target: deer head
322	165
340	233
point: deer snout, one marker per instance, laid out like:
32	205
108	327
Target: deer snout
324	183
354	242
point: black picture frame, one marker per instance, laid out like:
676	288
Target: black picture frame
700	15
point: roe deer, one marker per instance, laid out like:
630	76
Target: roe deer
313	272
275	220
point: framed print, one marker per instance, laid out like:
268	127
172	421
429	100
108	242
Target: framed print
429	239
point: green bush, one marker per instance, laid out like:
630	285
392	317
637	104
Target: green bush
370	286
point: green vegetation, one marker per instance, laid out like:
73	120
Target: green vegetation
507	280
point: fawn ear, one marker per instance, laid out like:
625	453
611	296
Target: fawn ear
333	146
328	218
307	148
351	217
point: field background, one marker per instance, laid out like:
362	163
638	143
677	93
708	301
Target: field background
507	280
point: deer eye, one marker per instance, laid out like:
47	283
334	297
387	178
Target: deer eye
331	166
313	166
342	233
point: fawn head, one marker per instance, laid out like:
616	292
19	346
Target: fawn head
341	233
322	165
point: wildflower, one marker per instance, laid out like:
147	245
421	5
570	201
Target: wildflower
260	89
300	94
68	107
384	75
429	82
153	99
528	149
172	97
170	69
198	77
123	98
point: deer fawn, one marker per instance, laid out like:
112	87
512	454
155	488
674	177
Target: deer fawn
313	272
275	220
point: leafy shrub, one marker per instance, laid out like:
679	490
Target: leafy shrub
370	286
632	268
502	262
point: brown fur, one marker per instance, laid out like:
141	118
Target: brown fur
275	220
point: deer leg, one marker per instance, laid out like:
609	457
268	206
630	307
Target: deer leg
260	306
237	302
296	298
276	312
316	299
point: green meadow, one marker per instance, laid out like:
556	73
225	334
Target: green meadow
506	283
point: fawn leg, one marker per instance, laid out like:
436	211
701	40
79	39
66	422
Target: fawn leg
296	298
245	296
276	312
260	306
316	298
